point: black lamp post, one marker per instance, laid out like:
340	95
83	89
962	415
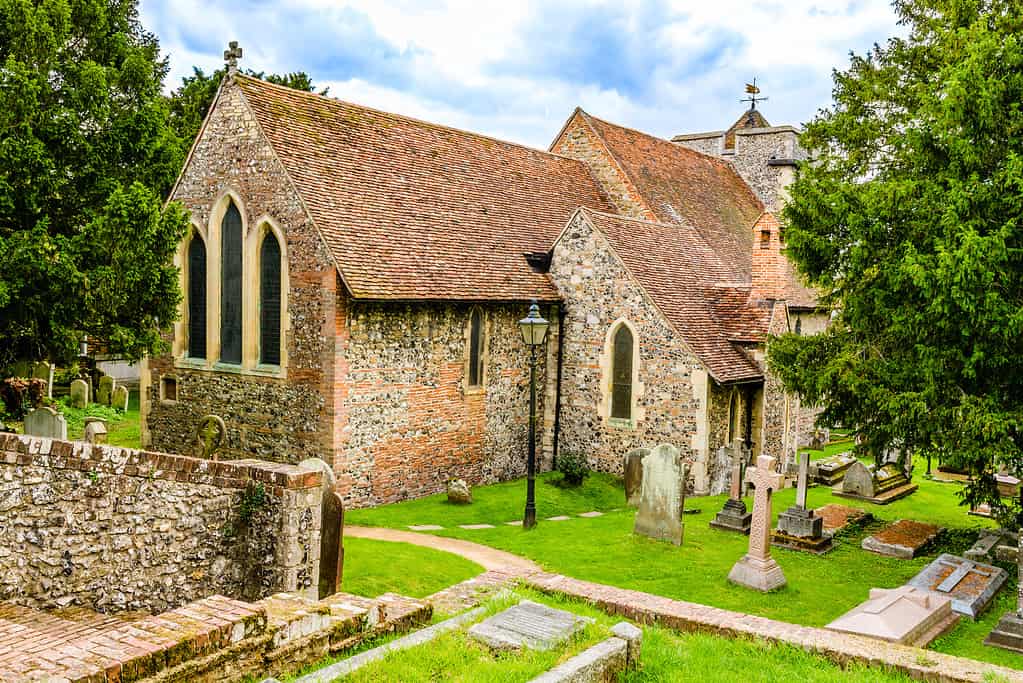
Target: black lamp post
534	329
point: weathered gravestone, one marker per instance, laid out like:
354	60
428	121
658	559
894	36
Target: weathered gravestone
119	398
459	492
662	495
904	615
210	435
757	569
332	526
994	544
634	475
733	515
106	388
95	430
830	471
1008	634
798	527
44	371
46	422
971	585
79	393
888	484
528	625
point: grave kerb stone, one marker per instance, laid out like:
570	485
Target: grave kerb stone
528	625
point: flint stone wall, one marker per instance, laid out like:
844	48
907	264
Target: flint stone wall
598	291
117	529
411	422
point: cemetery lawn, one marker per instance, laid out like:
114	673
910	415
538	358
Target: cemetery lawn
604	550
122	428
666	656
373	568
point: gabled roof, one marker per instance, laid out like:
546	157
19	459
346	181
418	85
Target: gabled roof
684	187
689	285
414	210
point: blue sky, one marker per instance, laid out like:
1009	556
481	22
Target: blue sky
515	70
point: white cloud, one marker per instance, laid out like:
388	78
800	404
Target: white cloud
516	70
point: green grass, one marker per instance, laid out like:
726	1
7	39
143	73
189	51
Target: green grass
666	656
122	428
498	503
605	550
376	567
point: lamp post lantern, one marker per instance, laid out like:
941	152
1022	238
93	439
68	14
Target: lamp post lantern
534	330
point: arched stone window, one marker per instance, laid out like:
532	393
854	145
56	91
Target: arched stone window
231	257
621	373
196	293
477	350
270	300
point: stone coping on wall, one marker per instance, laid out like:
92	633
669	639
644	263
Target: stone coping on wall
21	450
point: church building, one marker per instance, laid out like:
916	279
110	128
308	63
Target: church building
353	279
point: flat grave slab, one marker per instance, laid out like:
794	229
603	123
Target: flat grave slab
837	517
592	513
994	544
904	539
425	527
559	518
831	471
473	527
971	585
528	625
904	615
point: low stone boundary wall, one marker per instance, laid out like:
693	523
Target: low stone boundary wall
841	648
601	662
117	529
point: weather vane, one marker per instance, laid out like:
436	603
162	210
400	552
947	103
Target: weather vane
752	90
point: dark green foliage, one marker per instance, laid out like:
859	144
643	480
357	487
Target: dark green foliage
253	500
910	220
573	468
86	153
20	395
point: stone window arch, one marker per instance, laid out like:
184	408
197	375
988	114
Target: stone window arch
232	279
620	365
270	313
266	298
195	296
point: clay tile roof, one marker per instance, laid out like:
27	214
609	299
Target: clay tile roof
751	118
689	285
683	186
413	210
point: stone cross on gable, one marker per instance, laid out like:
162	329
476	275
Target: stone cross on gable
231	57
766	481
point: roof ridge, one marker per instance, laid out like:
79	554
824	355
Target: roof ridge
634	219
405	117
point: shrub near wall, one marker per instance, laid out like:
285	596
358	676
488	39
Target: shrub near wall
120	529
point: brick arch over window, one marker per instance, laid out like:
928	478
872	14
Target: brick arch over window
620	370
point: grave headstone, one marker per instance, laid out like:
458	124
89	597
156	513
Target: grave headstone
886	485
904	615
757	569
1008	485
1008	634
994	544
904	539
971	585
106	388
332	521
733	515
830	471
633	470
798	527
662	495
459	492
528	625
119	398
44	371
47	422
95	430
79	393
211	434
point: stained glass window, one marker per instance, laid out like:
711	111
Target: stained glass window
231	287
270	301
621	374
475	348
197	298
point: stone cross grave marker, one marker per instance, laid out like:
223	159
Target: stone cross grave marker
106	388
757	569
528	625
633	470
210	434
79	393
798	527
119	398
971	585
1008	634
662	495
46	422
733	515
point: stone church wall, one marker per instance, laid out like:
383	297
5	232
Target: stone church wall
673	401
410	422
117	529
283	414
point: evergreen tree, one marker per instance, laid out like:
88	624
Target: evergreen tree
910	219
